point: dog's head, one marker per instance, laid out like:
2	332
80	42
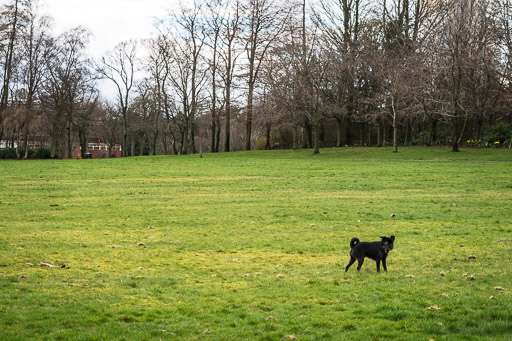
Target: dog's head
387	243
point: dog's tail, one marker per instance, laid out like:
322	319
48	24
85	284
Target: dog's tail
353	242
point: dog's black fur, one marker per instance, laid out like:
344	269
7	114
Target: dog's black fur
378	251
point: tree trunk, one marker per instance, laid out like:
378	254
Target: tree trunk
384	133
433	133
217	142
295	137
125	136
395	144
248	126
455	137
406	129
378	134
83	144
369	137
339	131
213	128
142	145
316	139
70	143
268	127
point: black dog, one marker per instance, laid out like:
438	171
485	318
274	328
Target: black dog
378	251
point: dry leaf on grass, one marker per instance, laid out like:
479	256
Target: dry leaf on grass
434	308
51	265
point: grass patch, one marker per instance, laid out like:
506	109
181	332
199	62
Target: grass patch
253	245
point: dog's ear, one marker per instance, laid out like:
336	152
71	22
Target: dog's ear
392	238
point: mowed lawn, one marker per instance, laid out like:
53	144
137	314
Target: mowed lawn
253	245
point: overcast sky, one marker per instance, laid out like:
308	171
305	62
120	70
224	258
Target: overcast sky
109	21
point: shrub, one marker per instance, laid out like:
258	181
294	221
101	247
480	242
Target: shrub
497	135
260	144
42	153
442	138
8	153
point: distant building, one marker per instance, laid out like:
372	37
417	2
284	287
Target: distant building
97	149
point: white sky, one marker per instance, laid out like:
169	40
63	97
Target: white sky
109	21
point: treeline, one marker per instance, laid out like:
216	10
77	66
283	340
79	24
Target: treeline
245	74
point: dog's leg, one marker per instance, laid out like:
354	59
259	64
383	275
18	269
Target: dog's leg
352	260
360	263
378	265
384	264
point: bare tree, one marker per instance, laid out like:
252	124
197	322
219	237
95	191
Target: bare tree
264	23
36	45
119	66
11	12
229	55
215	18
68	78
186	35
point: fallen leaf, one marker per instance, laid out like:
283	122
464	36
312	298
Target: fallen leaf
443	295
492	298
30	265
393	215
51	265
23	277
434	307
290	337
470	278
442	273
279	275
409	276
499	288
270	318
471	257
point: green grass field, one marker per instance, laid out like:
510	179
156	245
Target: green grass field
243	246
